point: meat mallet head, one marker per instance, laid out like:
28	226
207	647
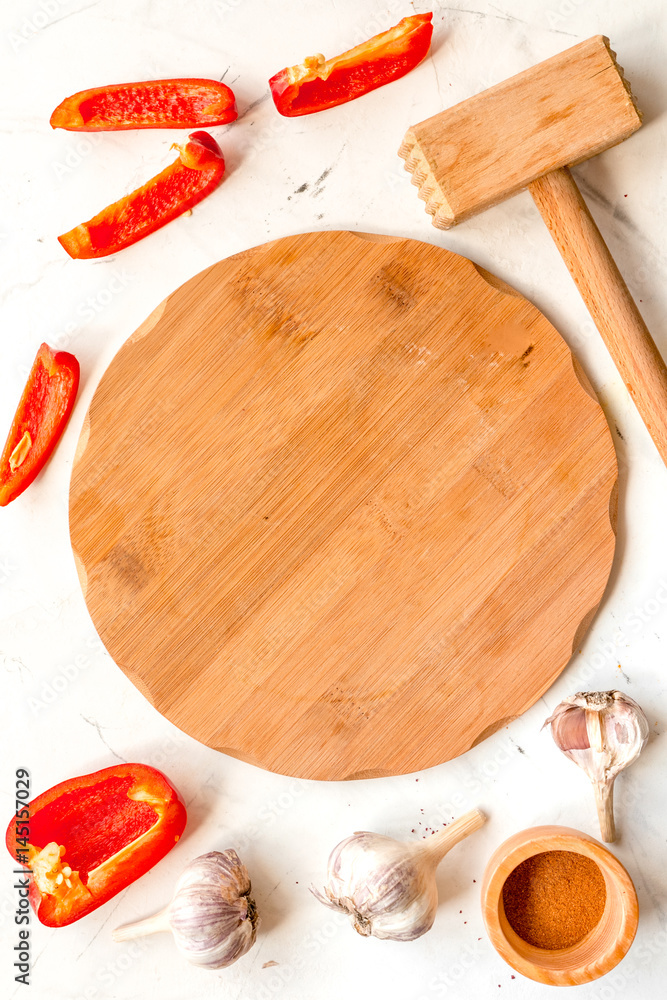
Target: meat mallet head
488	148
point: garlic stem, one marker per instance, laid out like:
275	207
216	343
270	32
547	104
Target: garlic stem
604	800
140	928
438	844
603	732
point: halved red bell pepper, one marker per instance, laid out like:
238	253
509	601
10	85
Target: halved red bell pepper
40	419
89	837
318	83
184	103
197	171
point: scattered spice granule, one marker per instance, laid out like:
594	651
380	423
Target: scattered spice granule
553	899
267	965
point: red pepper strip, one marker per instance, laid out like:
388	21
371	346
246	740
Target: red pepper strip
89	837
40	419
318	83
196	172
183	103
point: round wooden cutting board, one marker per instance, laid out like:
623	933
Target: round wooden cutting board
342	506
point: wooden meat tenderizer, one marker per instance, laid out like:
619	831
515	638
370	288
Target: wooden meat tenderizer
525	132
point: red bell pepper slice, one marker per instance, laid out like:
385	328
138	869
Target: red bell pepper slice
40	419
197	171
184	103
317	83
89	837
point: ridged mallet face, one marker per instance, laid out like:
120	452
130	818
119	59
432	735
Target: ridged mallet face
558	113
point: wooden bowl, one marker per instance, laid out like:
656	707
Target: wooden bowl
600	950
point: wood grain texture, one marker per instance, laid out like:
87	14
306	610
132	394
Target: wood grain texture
607	298
493	145
600	950
343	507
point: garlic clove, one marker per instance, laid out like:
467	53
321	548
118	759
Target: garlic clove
212	916
603	732
387	887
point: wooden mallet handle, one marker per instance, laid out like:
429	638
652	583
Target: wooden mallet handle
607	297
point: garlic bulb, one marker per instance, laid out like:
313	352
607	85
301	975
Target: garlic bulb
211	915
388	887
602	732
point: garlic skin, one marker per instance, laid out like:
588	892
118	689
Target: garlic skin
212	916
388	887
603	732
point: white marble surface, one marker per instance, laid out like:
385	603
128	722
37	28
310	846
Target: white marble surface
66	707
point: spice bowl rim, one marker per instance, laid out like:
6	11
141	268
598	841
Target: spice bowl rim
601	949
